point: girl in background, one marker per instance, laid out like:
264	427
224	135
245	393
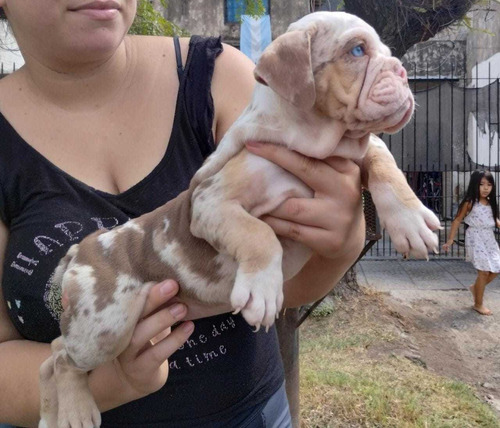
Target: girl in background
479	210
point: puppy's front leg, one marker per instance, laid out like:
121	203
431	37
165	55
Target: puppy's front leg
230	229
48	395
409	223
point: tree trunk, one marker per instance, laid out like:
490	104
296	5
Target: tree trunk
403	23
347	286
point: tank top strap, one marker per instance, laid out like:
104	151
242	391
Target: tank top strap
178	58
195	89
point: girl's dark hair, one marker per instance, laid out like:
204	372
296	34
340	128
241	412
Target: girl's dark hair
2	14
472	194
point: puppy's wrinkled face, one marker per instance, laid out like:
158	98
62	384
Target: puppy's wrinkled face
335	62
357	80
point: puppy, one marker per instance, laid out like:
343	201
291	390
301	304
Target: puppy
323	88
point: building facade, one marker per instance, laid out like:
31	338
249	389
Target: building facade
221	17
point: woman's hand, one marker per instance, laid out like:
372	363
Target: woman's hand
326	222
143	366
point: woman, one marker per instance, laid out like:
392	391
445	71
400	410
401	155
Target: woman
99	127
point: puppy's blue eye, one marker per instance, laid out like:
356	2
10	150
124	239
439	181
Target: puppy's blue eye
358	51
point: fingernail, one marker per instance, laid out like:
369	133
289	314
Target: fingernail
188	327
176	310
167	288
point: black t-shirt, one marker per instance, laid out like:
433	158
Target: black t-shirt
225	368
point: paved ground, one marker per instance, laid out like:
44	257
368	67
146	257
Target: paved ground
414	279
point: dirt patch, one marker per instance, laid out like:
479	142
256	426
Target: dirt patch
441	334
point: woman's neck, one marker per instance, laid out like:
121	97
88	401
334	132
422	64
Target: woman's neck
87	87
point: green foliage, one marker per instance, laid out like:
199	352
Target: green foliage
150	22
324	309
254	8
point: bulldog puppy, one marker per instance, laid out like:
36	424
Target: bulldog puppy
324	86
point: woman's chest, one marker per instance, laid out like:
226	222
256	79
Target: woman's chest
109	147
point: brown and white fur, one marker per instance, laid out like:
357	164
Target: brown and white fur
315	97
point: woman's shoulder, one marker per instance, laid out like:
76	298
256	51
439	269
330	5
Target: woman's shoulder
14	93
150	49
11	87
232	86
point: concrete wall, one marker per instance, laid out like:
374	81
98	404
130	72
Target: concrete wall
201	17
436	59
483	46
473	53
445	53
206	17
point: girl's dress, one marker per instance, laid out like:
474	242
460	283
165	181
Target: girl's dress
481	247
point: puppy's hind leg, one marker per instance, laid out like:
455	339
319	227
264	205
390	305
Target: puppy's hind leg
77	407
48	395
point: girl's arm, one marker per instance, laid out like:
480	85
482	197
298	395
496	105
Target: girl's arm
131	376
456	224
497	221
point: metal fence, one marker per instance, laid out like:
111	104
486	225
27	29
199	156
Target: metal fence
455	130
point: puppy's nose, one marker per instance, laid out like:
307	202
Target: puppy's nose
400	71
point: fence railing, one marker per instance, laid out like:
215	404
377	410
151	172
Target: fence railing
455	130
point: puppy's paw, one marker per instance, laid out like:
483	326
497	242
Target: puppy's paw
43	424
412	230
259	295
79	410
48	419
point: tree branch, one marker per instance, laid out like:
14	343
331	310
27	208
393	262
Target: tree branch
403	23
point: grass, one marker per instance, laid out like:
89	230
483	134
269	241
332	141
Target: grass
345	384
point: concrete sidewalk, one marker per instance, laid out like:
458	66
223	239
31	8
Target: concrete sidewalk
413	279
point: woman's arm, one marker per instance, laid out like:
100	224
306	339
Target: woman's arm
455	224
138	371
19	363
232	87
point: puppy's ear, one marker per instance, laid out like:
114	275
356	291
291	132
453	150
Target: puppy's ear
285	66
